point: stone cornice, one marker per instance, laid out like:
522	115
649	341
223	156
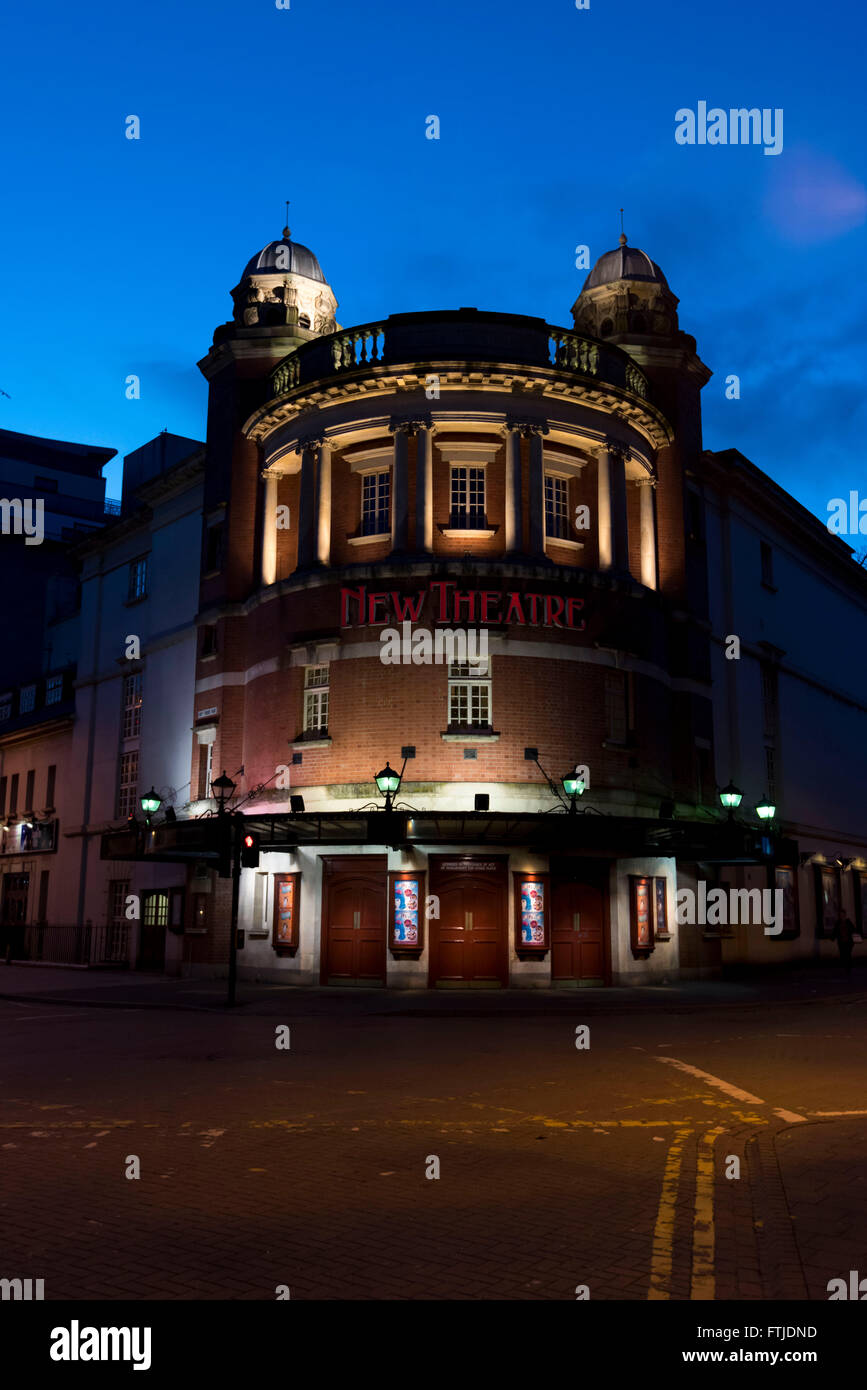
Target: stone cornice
545	385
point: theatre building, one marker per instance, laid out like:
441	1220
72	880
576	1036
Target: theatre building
468	547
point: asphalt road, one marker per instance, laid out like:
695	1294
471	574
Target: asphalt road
693	1150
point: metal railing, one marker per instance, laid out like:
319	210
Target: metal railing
69	945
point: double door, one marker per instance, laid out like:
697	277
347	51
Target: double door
578	932
468	941
354	920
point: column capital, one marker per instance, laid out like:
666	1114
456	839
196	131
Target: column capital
270	475
411	423
646	481
310	441
524	426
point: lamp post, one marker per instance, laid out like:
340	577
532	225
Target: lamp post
150	804
388	781
731	798
573	786
224	789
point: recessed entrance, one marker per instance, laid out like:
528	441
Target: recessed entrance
354	920
468	943
154	920
578	927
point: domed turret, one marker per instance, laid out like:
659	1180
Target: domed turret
284	284
626	295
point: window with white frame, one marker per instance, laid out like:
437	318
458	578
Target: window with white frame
556	507
54	690
316	699
206	769
138	578
27	699
470	696
376	503
127	785
132	705
468	498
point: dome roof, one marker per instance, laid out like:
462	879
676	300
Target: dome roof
282	256
624	263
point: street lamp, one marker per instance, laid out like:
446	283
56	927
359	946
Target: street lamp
573	786
766	809
151	803
387	782
223	789
731	798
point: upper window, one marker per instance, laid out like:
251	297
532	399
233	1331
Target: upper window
209	639
138	578
27	699
556	507
767	565
213	556
468	498
54	690
375	504
316	699
469	696
132	705
5	707
127	784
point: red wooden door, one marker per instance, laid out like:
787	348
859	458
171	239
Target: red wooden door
577	932
468	941
354	920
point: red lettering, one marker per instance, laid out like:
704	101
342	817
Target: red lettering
469	598
406	607
573	606
533	601
443	616
515	604
493	597
552	614
346	597
373	602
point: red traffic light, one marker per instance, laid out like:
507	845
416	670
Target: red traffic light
248	841
250	850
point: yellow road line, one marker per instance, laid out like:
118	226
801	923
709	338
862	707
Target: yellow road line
703	1234
663	1231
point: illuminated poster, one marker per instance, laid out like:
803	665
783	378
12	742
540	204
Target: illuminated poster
406	895
285	912
532	912
661	902
642	912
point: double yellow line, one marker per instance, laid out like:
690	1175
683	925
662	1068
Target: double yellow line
703	1235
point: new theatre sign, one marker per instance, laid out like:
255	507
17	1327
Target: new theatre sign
444	602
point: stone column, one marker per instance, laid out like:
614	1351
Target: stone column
323	505
269	527
401	429
647	498
537	488
424	489
611	507
513	536
307	503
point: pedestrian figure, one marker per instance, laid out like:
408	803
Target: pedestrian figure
844	935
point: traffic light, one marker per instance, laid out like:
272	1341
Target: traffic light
250	850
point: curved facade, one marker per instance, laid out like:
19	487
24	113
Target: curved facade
458	542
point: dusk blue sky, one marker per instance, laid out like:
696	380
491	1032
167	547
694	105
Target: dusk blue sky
118	256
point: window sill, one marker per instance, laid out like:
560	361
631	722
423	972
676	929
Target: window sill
618	747
569	545
131	602
211	574
457	533
369	540
470	735
211	656
302	742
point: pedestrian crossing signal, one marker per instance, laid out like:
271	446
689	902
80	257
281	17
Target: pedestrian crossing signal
250	851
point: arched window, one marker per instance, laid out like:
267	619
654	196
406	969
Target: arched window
639	323
606	329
